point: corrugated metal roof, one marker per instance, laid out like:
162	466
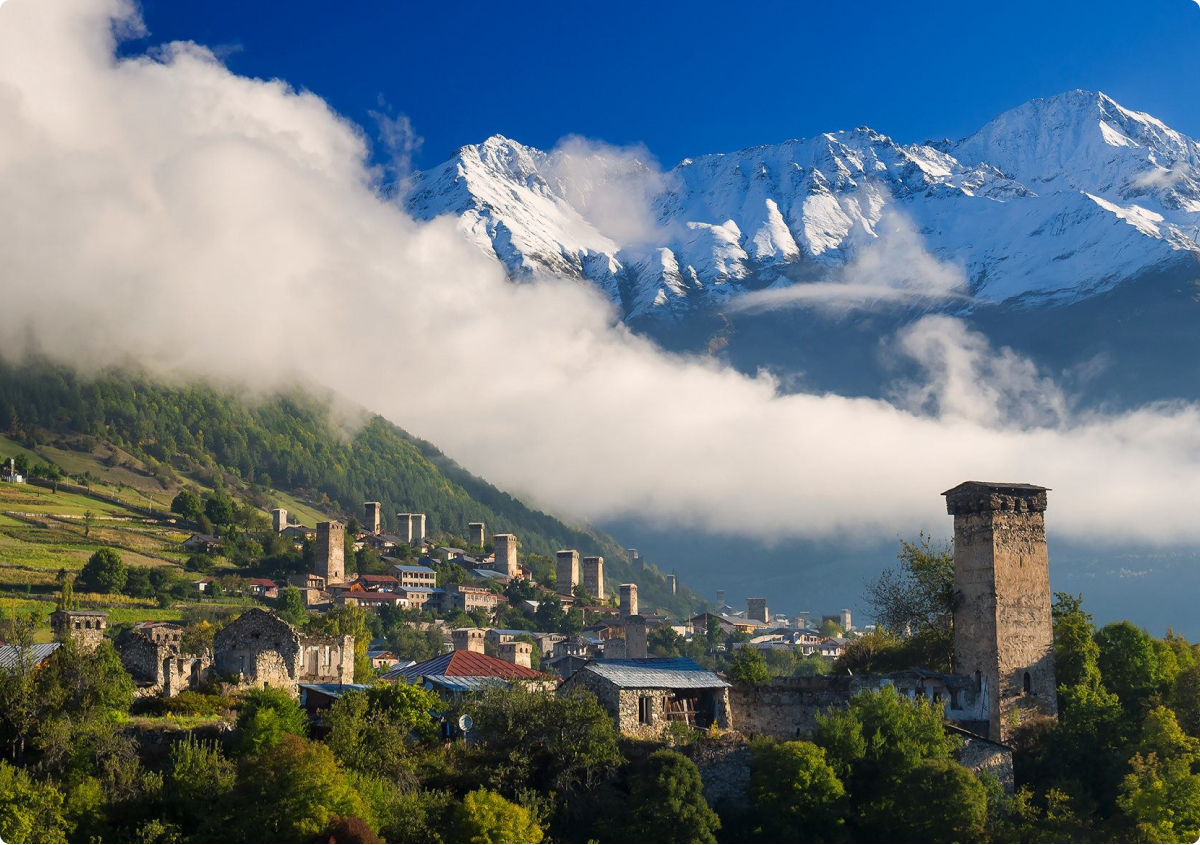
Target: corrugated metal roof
10	655
464	683
657	673
425	570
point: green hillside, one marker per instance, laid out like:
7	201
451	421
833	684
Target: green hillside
145	440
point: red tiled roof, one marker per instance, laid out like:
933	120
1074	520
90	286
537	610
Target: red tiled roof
262	582
470	664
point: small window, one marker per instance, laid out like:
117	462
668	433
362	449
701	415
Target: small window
978	680
646	710
1027	683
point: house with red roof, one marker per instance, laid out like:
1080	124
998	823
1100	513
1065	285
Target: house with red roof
461	672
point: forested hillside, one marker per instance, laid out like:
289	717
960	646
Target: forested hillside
289	442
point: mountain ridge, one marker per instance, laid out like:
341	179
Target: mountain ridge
1058	199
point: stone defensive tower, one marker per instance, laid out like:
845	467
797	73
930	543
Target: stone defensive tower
720	599
629	604
373	517
468	639
278	519
516	652
635	637
593	577
506	554
847	619
331	552
475	532
672	584
567	571
757	609
85	627
417	523
1003	635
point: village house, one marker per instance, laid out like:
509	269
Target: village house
461	672
645	696
264	588
418	597
414	576
467	598
202	544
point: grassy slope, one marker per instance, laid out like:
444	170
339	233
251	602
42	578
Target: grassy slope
112	427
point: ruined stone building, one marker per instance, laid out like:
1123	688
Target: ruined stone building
258	649
1003	633
331	552
151	653
646	696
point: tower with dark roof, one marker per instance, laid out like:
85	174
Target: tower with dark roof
1003	636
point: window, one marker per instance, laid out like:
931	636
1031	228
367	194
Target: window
1028	685
646	710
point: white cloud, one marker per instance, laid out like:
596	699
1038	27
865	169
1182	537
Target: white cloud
168	212
612	187
889	267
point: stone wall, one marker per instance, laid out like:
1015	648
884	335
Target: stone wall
788	707
981	756
724	766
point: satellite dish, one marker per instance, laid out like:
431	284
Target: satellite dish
429	685
465	722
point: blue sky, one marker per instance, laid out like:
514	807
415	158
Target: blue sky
702	76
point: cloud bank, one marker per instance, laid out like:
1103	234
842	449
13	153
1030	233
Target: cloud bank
166	211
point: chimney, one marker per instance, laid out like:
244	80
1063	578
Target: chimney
475	531
593	577
373	517
629	602
516	652
278	519
567	571
468	639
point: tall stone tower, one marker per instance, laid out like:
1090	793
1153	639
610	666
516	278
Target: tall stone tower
331	552
593	577
417	522
373	517
476	532
567	571
278	519
506	554
757	609
629	602
1003	636
672	584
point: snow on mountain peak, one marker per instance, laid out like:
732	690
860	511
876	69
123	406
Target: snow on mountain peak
1055	199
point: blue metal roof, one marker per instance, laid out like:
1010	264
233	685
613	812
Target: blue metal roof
335	690
656	673
423	570
10	655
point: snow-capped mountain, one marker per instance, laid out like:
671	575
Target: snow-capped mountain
1054	201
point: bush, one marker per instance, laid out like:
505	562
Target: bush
485	816
104	572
